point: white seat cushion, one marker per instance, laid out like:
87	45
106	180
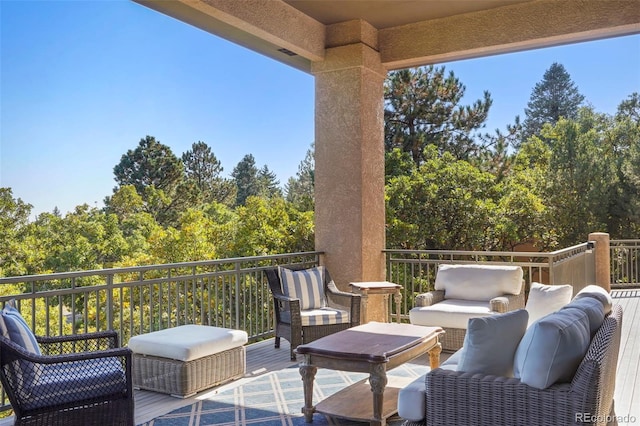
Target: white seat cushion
450	313
187	342
412	398
545	299
478	282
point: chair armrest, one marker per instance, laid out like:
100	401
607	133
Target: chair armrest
520	403
345	301
87	342
506	303
287	309
429	298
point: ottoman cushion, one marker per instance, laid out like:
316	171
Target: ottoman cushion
187	342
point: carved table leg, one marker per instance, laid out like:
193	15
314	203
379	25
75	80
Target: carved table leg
434	356
378	381
308	373
397	298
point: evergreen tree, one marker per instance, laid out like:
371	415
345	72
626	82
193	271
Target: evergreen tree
422	108
204	170
269	183
158	176
554	97
151	163
246	179
300	189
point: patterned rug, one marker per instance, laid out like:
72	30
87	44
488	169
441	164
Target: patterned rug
274	399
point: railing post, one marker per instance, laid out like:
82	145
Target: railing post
602	259
110	303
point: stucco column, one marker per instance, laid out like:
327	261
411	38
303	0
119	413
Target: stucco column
349	163
602	258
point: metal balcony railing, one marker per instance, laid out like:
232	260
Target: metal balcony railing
625	263
415	270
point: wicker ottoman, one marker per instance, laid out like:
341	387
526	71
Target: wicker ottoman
187	359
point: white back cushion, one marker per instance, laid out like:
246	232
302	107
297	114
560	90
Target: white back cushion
545	299
478	282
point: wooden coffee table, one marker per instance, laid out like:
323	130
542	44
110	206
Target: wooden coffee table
371	348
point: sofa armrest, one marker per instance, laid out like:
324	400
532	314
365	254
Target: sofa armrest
521	404
429	298
506	303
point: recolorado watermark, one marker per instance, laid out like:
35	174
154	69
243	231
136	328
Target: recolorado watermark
592	418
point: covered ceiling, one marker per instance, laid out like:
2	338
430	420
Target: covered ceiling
405	33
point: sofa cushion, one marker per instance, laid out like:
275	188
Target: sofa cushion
552	348
599	293
450	313
478	282
76	380
594	310
306	285
412	398
490	343
545	299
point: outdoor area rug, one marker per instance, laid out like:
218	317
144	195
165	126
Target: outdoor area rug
274	399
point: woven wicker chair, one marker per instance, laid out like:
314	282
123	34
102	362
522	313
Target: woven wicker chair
454	397
78	380
486	275
288	314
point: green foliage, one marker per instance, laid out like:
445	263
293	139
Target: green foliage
204	170
246	179
14	219
554	97
443	204
422	108
300	189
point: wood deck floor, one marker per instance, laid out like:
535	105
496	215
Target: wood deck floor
262	357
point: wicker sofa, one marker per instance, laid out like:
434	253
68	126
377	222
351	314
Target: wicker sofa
467	291
455	397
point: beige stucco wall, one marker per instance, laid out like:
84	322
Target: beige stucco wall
349	157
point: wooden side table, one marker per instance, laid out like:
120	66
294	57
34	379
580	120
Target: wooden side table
379	290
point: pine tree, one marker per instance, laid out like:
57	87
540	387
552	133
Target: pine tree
204	170
246	179
554	97
422	108
300	189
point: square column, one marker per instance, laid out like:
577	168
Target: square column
349	161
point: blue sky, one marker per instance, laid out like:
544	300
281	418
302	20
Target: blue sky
83	81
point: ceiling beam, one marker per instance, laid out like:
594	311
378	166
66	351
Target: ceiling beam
270	27
522	26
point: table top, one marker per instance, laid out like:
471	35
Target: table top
375	285
373	342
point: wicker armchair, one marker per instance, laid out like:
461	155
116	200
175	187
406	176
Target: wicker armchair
467	291
454	397
77	380
288	312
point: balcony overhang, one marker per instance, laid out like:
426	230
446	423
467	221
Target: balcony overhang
405	33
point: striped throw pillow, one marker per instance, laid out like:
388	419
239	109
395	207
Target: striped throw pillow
16	329
306	285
